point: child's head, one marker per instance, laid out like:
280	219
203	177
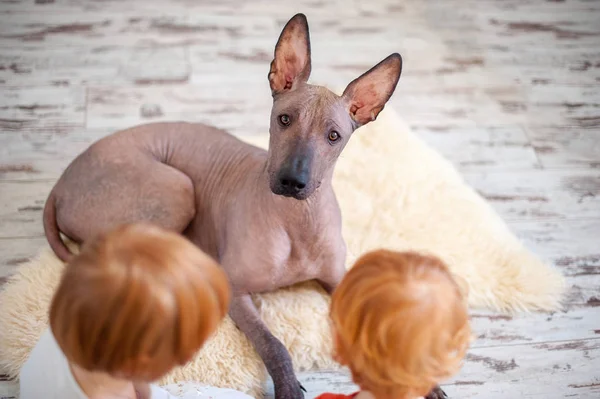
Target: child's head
137	302
400	323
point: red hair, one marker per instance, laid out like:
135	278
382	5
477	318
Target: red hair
137	302
400	322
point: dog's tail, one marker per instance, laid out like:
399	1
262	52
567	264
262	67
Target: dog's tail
52	232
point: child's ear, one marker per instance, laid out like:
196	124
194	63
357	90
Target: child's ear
366	95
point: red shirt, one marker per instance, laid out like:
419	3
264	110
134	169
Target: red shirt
328	395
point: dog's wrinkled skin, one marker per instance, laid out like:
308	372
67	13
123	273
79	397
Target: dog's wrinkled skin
270	218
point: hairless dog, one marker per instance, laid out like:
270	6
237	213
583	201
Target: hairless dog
270	218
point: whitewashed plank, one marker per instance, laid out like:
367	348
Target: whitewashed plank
559	147
56	109
557	369
16	251
181	7
70	66
503	102
573	69
492	329
101	28
241	111
8	389
451	107
541	194
21	207
561	241
572	246
553	20
482	148
549	370
181	25
540	370
560	100
40	155
543	26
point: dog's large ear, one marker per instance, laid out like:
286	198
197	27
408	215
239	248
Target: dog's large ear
291	65
366	95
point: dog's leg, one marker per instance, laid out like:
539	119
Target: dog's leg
273	353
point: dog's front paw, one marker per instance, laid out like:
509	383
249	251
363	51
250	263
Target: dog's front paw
289	389
436	393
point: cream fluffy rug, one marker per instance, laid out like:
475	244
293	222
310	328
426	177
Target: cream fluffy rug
394	192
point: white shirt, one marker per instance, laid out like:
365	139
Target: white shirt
47	375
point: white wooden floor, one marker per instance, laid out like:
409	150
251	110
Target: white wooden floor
509	90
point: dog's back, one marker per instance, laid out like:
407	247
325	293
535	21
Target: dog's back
146	173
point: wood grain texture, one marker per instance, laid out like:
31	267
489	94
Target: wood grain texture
21	208
540	194
493	148
58	109
559	147
8	389
43	155
16	251
500	372
221	105
506	90
38	66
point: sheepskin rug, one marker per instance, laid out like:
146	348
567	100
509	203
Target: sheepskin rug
394	192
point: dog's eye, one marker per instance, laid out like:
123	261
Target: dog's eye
284	120
333	136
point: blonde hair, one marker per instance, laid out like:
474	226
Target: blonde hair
137	302
400	323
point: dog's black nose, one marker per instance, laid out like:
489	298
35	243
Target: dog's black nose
293	179
293	183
